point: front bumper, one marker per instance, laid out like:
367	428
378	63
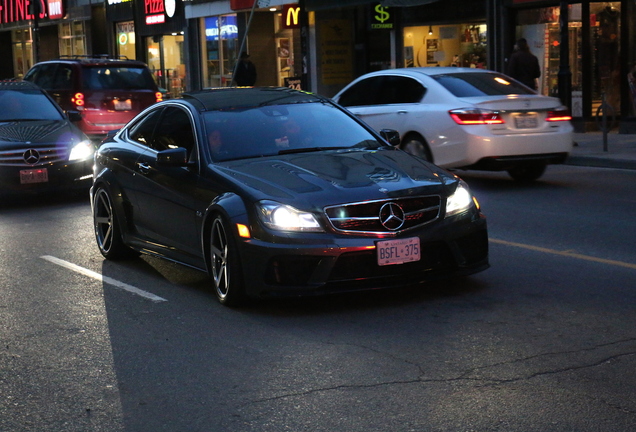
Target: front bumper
453	247
69	176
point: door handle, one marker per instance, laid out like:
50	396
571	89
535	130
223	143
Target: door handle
143	167
402	112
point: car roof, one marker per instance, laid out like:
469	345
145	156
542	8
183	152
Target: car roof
18	85
430	71
96	61
246	97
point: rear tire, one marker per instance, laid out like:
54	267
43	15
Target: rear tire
417	146
225	265
107	231
527	172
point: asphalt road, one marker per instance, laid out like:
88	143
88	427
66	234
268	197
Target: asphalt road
545	340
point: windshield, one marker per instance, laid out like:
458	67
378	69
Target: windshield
278	129
117	78
481	84
26	105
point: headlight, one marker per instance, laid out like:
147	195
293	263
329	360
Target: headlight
286	218
461	200
82	151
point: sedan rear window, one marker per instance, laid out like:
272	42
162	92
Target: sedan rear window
480	84
117	78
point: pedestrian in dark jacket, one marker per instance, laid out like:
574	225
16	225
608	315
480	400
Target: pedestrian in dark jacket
523	65
245	74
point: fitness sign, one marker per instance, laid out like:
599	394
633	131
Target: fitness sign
24	10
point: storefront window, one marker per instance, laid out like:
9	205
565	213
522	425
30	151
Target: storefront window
126	39
220	50
72	38
22	51
462	45
166	61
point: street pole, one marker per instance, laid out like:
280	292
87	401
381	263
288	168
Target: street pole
35	11
565	74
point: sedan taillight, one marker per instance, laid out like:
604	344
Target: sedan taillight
559	114
475	117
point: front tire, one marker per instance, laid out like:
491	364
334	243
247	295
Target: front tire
107	231
225	266
527	172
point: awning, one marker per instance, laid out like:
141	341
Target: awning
314	5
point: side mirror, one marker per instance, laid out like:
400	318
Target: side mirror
391	136
74	116
173	157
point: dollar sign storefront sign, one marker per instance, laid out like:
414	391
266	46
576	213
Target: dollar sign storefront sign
382	18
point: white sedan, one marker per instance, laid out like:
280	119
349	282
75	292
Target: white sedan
465	118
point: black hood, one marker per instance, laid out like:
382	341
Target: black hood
316	178
59	132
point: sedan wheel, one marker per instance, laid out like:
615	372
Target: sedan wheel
527	172
225	265
417	147
107	230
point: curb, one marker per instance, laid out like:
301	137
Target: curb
601	162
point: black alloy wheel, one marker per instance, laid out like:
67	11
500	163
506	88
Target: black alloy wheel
225	264
107	232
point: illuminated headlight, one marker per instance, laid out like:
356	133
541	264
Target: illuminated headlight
286	218
82	151
461	200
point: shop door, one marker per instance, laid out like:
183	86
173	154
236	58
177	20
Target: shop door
166	62
605	20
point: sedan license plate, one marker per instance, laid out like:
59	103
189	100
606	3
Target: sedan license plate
526	121
398	251
40	175
123	105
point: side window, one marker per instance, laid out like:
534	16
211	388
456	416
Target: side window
400	90
42	75
63	78
174	130
362	93
142	131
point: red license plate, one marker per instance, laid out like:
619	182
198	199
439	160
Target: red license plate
40	175
398	251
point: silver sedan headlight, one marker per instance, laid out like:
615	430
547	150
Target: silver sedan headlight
82	151
461	200
286	218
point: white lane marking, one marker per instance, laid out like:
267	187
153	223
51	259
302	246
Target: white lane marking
102	278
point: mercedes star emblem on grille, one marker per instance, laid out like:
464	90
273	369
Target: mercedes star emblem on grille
31	156
391	216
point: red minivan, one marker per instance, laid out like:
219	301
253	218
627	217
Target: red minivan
106	92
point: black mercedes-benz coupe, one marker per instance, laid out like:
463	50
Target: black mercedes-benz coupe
40	149
274	191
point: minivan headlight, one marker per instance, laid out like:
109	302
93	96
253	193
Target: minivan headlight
286	218
83	150
460	201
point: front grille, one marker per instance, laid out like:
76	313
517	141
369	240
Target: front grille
364	217
46	154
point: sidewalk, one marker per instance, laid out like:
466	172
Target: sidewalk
589	150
